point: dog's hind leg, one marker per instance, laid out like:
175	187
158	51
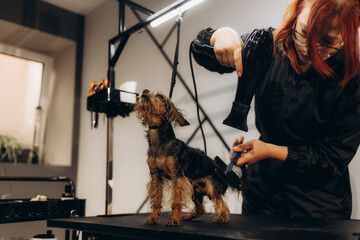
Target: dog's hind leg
155	190
222	212
221	209
179	186
198	197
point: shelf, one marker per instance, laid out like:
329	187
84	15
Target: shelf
112	102
23	210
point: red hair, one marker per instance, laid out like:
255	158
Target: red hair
347	12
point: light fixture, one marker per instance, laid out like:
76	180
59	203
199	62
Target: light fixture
175	12
128	92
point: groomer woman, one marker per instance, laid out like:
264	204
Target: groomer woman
307	111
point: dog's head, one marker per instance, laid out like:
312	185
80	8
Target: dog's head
154	108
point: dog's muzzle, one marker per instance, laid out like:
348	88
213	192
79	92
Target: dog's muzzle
145	94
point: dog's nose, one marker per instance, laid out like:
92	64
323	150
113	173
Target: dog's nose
144	94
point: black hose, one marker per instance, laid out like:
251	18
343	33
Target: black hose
196	100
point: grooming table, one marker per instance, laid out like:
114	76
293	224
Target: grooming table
131	226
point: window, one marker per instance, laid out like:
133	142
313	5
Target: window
24	86
20	81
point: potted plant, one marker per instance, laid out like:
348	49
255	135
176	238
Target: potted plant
10	149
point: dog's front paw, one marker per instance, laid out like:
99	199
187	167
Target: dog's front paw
173	222
152	219
223	218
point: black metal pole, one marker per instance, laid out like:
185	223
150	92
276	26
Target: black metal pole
139	7
195	131
121	16
144	23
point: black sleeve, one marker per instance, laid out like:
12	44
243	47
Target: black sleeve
204	54
330	157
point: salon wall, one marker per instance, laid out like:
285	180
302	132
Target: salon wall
61	113
141	61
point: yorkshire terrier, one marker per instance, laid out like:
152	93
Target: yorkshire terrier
190	170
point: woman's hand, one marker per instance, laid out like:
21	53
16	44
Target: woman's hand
256	150
227	47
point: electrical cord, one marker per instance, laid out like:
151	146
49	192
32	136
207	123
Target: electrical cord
176	57
196	100
173	79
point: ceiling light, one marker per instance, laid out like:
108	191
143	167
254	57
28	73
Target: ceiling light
175	12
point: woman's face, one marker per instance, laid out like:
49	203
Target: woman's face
329	38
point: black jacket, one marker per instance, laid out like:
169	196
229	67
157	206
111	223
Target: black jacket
319	122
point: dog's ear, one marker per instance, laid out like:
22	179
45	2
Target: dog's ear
182	121
174	115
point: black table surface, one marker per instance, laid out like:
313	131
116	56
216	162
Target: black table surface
240	227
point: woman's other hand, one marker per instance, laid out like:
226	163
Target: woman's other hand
227	47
